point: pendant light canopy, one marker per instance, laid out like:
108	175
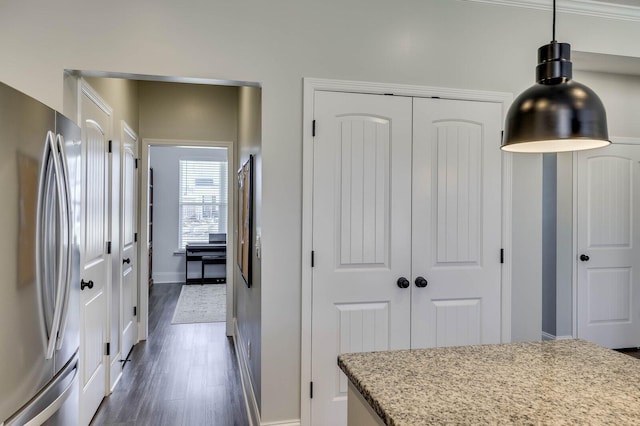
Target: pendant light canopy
556	114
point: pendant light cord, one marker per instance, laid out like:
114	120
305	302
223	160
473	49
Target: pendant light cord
553	40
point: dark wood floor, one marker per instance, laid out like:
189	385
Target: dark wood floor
634	352
184	374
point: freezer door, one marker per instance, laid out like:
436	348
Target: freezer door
24	123
56	404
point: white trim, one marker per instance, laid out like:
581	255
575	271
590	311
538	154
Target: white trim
251	403
507	240
625	140
143	263
549	336
314	84
91	93
253	412
598	9
310	86
574	246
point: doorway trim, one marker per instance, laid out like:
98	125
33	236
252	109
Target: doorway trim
310	86
143	284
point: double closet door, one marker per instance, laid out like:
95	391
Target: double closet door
406	230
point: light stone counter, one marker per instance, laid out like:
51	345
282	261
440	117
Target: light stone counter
571	382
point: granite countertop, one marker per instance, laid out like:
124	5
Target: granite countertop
553	382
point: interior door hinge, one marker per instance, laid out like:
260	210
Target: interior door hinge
501	255
108	349
108	247
135	237
313	258
313	128
311	390
110	146
135	311
136	162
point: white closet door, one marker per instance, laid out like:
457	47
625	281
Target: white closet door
609	239
361	237
96	128
456	223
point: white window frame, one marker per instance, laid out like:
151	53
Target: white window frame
222	204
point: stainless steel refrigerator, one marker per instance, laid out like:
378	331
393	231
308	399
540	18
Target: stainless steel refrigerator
39	263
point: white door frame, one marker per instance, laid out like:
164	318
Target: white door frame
125	128
574	244
311	85
143	250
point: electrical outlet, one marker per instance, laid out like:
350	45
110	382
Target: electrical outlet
249	349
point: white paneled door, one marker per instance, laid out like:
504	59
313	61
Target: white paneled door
95	125
128	239
361	237
457	223
403	189
608	308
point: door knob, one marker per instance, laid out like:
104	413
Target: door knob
403	282
127	260
421	282
84	284
584	258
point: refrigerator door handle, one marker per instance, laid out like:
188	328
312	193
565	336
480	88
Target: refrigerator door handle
67	233
43	256
36	412
62	213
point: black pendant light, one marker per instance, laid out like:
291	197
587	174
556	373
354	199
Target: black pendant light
556	114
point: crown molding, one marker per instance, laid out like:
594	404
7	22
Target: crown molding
599	9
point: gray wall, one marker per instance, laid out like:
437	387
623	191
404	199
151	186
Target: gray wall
549	222
449	43
168	263
188	111
248	300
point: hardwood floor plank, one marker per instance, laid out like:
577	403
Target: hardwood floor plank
184	374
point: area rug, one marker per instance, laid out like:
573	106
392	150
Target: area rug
201	303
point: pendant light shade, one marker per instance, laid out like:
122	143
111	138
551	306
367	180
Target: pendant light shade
556	114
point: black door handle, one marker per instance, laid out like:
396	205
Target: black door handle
84	284
127	260
403	282
421	282
584	258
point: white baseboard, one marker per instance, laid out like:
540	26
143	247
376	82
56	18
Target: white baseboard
564	337
247	386
547	336
253	412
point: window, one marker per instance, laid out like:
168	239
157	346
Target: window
203	200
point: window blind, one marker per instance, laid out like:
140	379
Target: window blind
203	200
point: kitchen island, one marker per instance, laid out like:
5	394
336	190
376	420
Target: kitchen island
551	382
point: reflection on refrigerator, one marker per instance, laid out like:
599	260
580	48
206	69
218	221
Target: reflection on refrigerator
39	261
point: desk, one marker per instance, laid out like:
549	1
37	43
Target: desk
207	254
